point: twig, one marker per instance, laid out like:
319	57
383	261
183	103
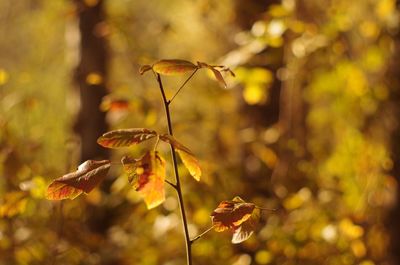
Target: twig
171	184
265	209
178	183
202	234
184	83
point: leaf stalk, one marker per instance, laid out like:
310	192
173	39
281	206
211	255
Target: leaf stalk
201	235
180	88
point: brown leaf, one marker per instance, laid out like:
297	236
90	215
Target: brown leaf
144	68
85	179
125	137
187	157
231	214
147	176
173	67
218	76
216	72
244	231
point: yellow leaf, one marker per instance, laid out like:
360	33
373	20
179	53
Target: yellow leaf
147	176
187	157
173	67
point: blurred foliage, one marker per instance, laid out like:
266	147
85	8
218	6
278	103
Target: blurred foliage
332	58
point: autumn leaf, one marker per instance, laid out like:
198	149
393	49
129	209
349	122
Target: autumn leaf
125	137
231	214
187	157
110	104
147	176
219	77
244	231
237	215
220	68
216	72
173	67
144	68
85	179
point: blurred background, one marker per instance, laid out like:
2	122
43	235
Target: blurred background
309	126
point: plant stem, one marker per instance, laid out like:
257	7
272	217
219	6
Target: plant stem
202	234
265	209
177	185
184	83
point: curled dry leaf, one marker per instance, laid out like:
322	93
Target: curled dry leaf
147	176
219	77
85	179
144	68
125	137
237	215
187	157
173	67
244	231
216	72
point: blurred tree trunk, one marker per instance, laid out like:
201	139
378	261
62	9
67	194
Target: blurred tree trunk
394	107
293	110
91	77
261	116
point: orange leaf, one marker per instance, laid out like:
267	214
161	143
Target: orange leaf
125	137
231	214
85	179
244	231
173	67
187	157
109	104
147	176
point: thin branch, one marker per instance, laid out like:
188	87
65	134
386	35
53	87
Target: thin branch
177	179
202	234
171	184
265	209
184	83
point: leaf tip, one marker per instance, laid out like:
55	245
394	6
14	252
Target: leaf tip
144	68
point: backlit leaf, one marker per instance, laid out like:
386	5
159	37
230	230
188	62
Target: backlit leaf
85	179
216	72
125	137
231	214
173	67
187	157
247	228
147	176
240	216
219	77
